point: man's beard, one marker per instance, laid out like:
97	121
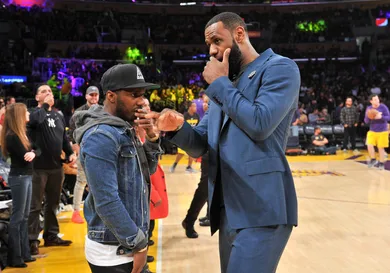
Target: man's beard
235	61
123	112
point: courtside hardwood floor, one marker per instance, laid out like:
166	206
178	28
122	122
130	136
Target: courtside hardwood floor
344	224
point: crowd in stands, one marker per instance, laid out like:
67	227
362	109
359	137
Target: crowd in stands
98	52
179	85
70	25
324	84
41	25
14	57
338	24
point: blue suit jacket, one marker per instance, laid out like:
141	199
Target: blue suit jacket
247	144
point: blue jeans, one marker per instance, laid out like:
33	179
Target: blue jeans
326	150
294	130
18	243
256	249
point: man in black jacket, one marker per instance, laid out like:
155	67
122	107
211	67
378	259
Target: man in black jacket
47	129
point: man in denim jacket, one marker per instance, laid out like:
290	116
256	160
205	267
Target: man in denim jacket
117	167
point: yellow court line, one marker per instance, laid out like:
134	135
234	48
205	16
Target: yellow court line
152	251
61	259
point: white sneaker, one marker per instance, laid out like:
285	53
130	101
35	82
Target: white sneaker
356	152
371	163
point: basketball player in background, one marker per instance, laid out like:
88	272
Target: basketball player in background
378	135
199	104
192	118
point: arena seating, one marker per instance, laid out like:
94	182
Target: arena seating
334	133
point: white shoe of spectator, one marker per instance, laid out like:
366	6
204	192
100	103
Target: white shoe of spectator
356	152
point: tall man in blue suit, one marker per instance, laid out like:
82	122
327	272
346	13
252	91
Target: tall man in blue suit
251	190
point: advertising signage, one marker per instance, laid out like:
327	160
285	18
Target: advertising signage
8	79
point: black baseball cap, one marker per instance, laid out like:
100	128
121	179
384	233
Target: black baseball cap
124	76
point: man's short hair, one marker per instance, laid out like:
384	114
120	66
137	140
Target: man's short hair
230	20
39	86
9	98
373	96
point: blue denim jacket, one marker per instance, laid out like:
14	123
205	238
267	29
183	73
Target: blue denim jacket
117	208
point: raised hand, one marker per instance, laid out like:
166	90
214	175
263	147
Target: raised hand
49	99
168	120
147	124
215	69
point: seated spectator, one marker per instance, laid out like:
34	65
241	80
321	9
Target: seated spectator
320	142
300	117
294	123
311	106
313	117
324	117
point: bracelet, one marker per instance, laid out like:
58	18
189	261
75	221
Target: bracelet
152	139
143	250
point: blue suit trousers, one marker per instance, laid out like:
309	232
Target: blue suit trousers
252	249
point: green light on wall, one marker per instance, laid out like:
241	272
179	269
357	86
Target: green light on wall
313	27
133	53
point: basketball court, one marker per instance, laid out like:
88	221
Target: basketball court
344	223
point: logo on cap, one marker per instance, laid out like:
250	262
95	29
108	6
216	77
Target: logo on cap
139	74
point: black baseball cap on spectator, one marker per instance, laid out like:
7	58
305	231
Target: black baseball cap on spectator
123	77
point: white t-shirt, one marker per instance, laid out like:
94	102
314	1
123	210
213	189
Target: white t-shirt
104	255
